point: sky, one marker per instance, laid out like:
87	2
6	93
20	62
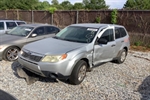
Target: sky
112	3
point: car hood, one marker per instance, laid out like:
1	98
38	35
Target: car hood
5	38
52	46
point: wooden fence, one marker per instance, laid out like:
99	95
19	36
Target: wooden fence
136	22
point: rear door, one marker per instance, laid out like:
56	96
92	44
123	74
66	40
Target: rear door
10	25
104	52
120	38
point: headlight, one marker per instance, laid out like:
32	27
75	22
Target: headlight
21	52
54	58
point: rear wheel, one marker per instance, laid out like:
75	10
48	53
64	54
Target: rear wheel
11	53
78	73
122	56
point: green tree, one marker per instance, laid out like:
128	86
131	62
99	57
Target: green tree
78	6
55	2
137	4
43	5
66	5
19	4
95	4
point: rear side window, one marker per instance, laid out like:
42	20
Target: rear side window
51	30
120	32
108	35
123	32
10	25
1	25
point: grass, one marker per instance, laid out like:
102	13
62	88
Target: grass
140	48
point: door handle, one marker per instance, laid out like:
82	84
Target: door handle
122	41
113	45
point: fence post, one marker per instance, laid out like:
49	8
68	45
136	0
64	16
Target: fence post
6	14
52	18
32	16
17	14
77	16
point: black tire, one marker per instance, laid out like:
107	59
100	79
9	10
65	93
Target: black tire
79	72
122	56
11	53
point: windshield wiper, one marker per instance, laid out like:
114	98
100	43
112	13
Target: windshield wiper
69	40
73	40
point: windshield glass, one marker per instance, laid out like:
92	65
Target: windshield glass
77	34
20	31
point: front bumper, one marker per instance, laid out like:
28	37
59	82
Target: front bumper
58	70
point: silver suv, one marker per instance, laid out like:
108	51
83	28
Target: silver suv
6	25
75	50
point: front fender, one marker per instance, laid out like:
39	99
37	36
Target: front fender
73	61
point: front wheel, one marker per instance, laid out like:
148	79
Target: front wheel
11	53
79	72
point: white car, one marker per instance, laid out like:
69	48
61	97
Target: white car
6	25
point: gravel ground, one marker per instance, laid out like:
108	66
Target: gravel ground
110	81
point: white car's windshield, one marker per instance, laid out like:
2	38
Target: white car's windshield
20	31
77	34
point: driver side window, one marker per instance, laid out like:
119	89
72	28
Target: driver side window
108	35
39	31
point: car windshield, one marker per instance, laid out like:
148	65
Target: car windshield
77	34
20	31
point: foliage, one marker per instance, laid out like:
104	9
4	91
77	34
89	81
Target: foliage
137	4
52	9
55	2
114	14
98	19
18	4
66	5
43	5
138	43
78	6
95	4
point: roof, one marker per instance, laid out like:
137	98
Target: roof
36	25
95	25
9	20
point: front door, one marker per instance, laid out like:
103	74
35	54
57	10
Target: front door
104	52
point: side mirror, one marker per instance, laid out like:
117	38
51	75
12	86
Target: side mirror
102	41
33	35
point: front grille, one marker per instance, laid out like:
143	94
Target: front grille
31	56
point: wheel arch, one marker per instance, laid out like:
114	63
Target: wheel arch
126	48
87	61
